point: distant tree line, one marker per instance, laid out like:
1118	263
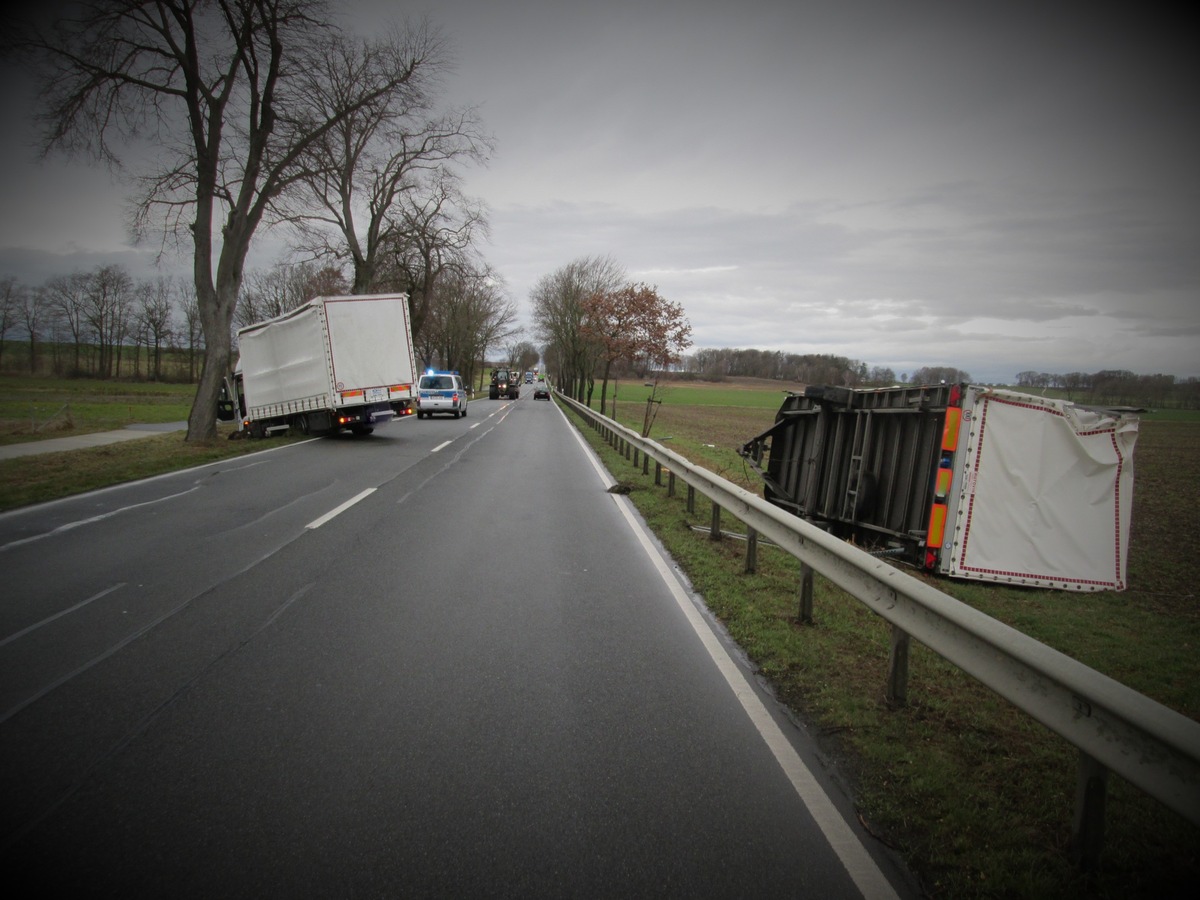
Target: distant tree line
1111	387
107	324
806	368
101	324
1118	387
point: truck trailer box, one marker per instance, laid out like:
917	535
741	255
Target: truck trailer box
963	480
334	362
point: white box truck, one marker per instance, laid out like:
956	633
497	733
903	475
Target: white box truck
334	363
963	480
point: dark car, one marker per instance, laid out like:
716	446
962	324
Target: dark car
541	393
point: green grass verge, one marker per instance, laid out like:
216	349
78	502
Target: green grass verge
675	393
49	476
973	793
33	409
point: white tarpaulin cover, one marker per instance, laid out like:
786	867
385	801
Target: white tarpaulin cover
368	338
1046	492
330	344
284	359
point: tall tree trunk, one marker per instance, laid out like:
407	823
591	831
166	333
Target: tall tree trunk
604	386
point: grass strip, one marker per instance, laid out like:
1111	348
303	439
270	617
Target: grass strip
49	476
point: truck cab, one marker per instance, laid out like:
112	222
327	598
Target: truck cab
231	402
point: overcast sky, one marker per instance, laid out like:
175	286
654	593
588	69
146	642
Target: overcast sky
997	187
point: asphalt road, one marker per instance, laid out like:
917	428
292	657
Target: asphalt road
437	661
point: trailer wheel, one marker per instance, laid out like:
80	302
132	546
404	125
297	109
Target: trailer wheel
300	423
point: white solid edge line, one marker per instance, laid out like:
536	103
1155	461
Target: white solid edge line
317	523
849	849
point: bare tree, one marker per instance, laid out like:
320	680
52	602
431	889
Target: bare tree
386	156
881	375
11	299
938	375
558	315
284	287
156	309
228	91
523	355
190	308
107	298
434	235
33	313
66	299
469	315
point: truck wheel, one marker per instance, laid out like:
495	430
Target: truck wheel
300	423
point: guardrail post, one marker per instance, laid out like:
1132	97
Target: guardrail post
714	531
806	594
645	463
637	457
691	501
670	483
897	686
751	551
657	472
1087	832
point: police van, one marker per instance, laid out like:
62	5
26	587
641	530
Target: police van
441	392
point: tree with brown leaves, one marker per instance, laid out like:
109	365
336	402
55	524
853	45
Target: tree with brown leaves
637	325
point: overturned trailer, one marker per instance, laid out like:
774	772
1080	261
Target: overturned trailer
959	479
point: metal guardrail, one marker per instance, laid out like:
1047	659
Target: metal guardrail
1114	727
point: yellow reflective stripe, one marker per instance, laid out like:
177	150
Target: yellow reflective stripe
937	525
950	429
